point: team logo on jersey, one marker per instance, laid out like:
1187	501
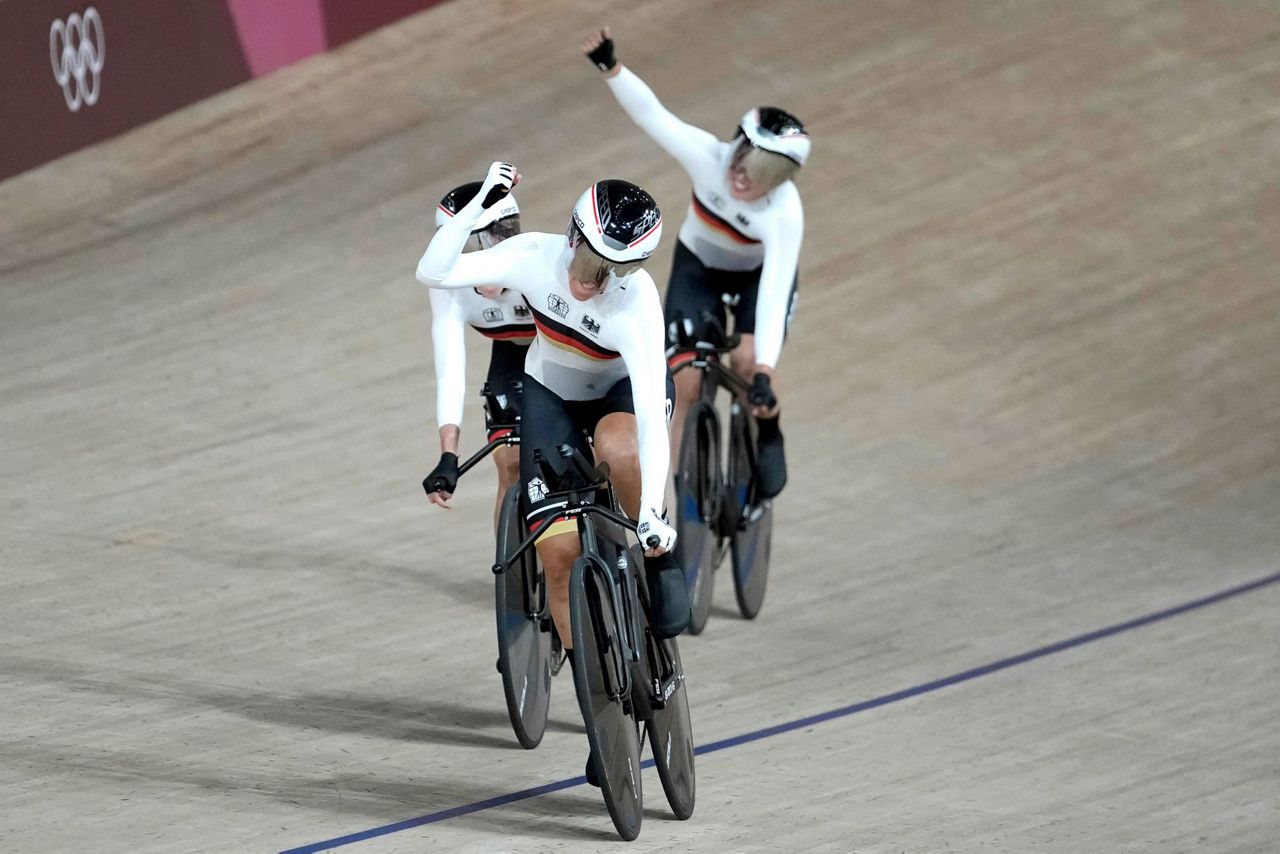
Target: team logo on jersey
521	311
557	304
492	315
590	324
716	199
537	489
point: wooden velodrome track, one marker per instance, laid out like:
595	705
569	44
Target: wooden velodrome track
1031	394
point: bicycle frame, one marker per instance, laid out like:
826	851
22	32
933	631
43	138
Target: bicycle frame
507	430
708	358
582	503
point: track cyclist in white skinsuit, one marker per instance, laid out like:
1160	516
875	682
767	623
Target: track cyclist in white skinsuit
499	315
741	238
597	364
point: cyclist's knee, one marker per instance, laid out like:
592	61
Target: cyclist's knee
508	465
615	439
557	554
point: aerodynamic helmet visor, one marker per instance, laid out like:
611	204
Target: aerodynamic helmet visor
588	266
765	169
492	234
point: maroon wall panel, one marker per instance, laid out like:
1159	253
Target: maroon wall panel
347	19
159	55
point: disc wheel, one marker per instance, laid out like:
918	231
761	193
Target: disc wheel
598	674
671	739
524	636
697	500
752	536
666	720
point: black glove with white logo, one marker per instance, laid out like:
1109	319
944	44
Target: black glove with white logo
761	393
497	183
444	477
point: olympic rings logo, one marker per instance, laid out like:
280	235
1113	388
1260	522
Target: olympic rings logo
77	52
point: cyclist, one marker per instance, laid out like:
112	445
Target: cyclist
596	367
496	313
740	240
596	364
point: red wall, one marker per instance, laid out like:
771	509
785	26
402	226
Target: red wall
151	57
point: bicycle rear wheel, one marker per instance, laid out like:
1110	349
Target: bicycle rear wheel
697	499
600	675
752	536
524	634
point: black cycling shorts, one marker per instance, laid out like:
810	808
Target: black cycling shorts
694	288
506	371
549	421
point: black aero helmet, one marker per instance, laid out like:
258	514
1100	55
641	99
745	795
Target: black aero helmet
496	224
614	228
774	145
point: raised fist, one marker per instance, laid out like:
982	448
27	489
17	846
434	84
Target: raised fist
599	49
498	183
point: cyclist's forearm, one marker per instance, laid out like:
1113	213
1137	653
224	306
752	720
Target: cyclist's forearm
654	453
449	435
689	145
446	246
773	302
450	352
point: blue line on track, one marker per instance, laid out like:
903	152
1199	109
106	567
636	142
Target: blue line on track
844	711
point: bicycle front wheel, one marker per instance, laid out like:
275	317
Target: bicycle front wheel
697	509
600	677
671	736
752	536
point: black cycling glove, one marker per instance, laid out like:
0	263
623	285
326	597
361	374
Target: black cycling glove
444	477
498	182
603	55
761	393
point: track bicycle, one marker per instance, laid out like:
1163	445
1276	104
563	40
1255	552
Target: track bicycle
630	683
717	505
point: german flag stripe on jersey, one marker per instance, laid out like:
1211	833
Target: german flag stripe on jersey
521	333
569	339
720	224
